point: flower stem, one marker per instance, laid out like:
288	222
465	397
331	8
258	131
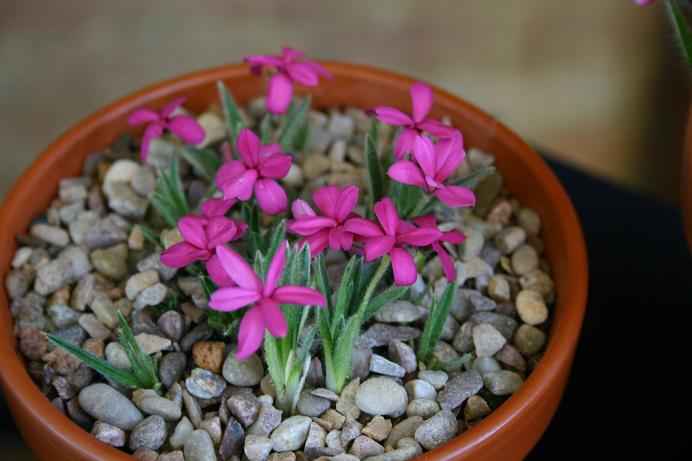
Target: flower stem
420	206
384	264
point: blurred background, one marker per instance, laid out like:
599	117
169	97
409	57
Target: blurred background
598	84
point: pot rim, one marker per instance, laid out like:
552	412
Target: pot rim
560	347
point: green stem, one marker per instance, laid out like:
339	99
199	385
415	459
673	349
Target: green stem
420	206
384	264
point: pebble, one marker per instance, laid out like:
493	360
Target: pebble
505	324
104	310
209	355
364	447
459	388
91	324
111	262
529	220
316	436
437	430
502	382
116	355
291	433
204	384
233	436
70	213
151	403
244	405
257	447
144	181
32	344
150	433
151	344
267	420
121	171
404	355
138	282
487	340
247	373
381	334
315	165
145	454
108	434
499	289
476	408
529	340
153	262
378	428
350	431
72	189
21	257
199	447
16	284
325	394
380	365
50	234
201	332
51	277
472	246
382	396
182	430
509	239
538	281
101	234
436	378
524	259
171	324
510	356
485	365
401	312
285	456
334	418
311	405
424	408
106	404
405	428
531	307
176	455
419	389
340	126
151	296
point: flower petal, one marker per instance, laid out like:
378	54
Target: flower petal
248	144
419	237
376	247
216	272
427	220
276	268
220	230
187	129
153	131
301	208
453	236
348	198
169	108
436	128
421	101
238	269
274	319
266	150
229	172
407	172
318	69
142	116
191	227
325	199
391	116
182	254
424	153
250	333
275	166
256	62
242	186
271	197
299	295
456	196
403	267
302	73
317	242
387	215
230	299
450	154
363	227
308	225
279	93
447	263
216	207
404	143
290	54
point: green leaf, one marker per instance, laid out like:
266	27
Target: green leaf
230	111
169	198
294	120
344	295
149	234
343	352
265	128
274	364
472	180
253	233
682	28
323	279
383	299
457	362
108	370
274	239
205	162
304	348
301	142
143	366
435	322
374	169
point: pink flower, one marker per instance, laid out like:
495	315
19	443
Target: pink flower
183	126
288	69
434	164
266	297
319	231
643	2
203	234
390	236
421	102
257	171
453	236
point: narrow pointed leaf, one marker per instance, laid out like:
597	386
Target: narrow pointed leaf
435	322
374	169
472	180
383	299
205	162
230	110
294	120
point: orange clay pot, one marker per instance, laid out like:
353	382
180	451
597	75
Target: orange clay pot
509	433
686	202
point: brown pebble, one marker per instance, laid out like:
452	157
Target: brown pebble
209	355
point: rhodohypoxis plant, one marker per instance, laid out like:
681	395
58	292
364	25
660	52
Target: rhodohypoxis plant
183	126
453	236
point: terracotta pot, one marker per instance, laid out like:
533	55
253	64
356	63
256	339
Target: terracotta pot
686	202
508	433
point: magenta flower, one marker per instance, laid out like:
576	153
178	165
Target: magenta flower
257	171
421	102
184	127
454	236
390	236
266	297
319	231
203	234
434	164
288	69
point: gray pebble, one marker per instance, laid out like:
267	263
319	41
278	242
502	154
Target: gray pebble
204	384
108	434
150	433
502	382
437	430
380	365
199	447
248	372
50	234
459	388
400	312
108	405
291	433
311	405
382	396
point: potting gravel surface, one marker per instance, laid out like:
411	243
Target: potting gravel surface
83	261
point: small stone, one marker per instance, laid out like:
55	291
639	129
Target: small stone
285	456
16	284
524	259
529	220
193	409
267	420
505	324
136	239
316	436
176	455
151	296
334	418
291	433
378	428
108	405
350	431
182	430
405	428
70	213
315	165
95	329
116	355
400	312
121	171
444	352
244	405
340	126
51	277
150	433
502	382
257	447
101	234
380	365
380	334
437	430
529	340
364	447
424	408
325	394
360	360
472	269
111	262
125	201
151	403
201	332
509	239
436	378
337	152
151	344
459	388
209	355
346	405
104	310
485	365
294	177
510	356
333	440
382	396
248	372
204	384
311	405
21	257
108	434
404	355
538	281
199	447
419	389
72	189
171	368
171	324
170	237
32	343
473	244
63	388
61	361
139	282
50	234
476	408
145	454
487	340
344	457
531	307
233	437
153	262
144	181
498	288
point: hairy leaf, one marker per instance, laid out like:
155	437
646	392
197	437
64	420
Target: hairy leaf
205	162
383	299
374	169
435	322
230	111
472	180
294	120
